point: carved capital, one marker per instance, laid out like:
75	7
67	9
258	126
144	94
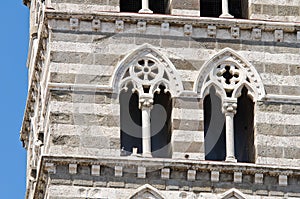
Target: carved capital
229	106
146	101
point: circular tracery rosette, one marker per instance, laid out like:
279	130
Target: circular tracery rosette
146	71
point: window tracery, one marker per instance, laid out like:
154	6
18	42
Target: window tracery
234	80
153	77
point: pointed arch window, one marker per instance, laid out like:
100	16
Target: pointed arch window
146	82
230	88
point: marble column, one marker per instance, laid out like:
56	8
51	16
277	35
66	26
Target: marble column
225	10
146	103
229	109
145	7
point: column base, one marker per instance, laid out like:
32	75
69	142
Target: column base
230	159
147	155
226	15
146	11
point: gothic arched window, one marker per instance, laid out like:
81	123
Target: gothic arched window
146	82
230	86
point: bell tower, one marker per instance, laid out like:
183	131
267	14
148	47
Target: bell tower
163	99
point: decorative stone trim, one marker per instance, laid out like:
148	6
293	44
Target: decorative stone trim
72	168
238	177
259	178
141	26
141	172
235	32
165	173
211	31
165	28
191	175
95	170
50	167
188	29
118	171
278	35
119	25
96	24
283	180
74	23
256	33
215	176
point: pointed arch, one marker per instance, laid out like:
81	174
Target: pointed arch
165	72
146	190
233	193
249	77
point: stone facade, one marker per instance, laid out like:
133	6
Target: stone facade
78	57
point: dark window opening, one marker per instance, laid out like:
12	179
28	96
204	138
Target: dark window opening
238	8
131	122
210	8
130	5
244	129
213	8
158	7
161	125
214	128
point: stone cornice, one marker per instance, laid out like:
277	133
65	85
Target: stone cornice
180	20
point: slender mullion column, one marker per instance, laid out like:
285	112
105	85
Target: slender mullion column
229	109
145	7
146	103
225	10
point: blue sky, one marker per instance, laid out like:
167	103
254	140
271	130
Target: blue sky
13	93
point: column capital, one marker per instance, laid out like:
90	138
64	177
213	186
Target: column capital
229	106
145	101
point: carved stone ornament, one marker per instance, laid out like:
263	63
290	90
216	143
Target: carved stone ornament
228	73
144	70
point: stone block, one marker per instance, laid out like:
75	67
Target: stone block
215	176
211	31
74	23
95	171
278	35
141	26
269	9
96	24
119	26
259	178
238	177
165	28
256	33
72	168
118	171
191	175
235	32
141	172
165	173
283	180
50	167
298	36
188	29
116	184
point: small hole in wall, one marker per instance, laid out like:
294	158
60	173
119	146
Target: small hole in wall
186	156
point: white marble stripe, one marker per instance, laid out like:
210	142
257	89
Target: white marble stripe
188	136
272	79
85	108
188	114
275	118
187	53
68	129
278	161
82	69
83	8
278	141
